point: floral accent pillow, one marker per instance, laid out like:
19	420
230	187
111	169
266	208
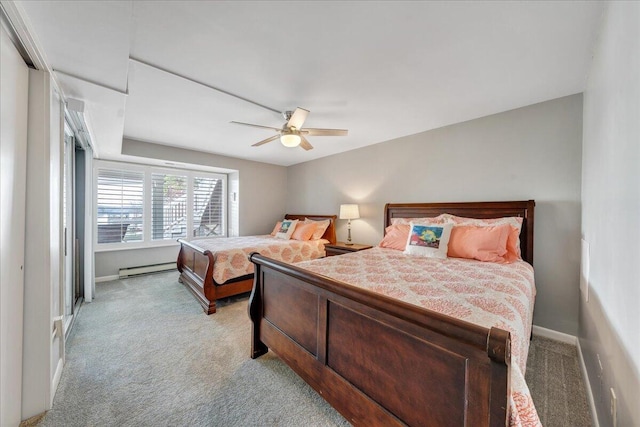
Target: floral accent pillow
429	240
286	229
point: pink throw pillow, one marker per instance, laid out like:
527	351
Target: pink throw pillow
484	243
276	228
396	237
513	241
304	231
321	227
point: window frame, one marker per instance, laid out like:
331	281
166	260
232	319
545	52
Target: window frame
148	170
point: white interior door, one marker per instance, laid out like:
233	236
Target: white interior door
14	86
68	224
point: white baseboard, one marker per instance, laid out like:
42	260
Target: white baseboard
554	335
573	340
107	278
56	380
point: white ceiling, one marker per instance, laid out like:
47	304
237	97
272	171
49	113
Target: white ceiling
380	69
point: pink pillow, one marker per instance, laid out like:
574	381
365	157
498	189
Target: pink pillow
513	244
276	228
435	220
484	243
321	227
304	231
396	237
513	240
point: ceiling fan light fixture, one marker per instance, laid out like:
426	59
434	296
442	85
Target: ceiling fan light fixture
292	134
290	139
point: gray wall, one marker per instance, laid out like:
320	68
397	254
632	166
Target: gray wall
260	201
609	320
528	153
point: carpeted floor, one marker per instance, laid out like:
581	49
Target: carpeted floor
555	380
144	354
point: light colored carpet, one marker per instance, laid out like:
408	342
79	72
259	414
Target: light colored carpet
556	384
144	354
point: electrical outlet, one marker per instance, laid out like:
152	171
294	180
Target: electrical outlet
600	380
599	365
614	407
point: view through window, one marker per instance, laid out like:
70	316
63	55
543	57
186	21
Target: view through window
120	206
138	204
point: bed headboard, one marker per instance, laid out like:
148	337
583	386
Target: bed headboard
330	232
522	209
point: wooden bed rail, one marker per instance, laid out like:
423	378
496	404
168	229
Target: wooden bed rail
377	360
194	247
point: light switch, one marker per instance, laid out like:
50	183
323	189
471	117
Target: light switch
584	270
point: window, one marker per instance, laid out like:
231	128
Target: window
120	206
208	219
139	206
168	206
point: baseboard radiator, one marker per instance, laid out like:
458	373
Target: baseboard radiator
145	269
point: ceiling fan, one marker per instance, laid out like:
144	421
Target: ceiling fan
292	134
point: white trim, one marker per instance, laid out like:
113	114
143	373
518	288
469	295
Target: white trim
56	377
107	278
587	385
89	284
24	30
554	335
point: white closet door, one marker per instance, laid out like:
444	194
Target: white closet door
14	85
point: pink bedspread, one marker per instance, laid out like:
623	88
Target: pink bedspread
231	254
483	293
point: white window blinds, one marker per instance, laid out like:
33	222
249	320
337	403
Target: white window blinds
208	207
168	206
144	206
120	201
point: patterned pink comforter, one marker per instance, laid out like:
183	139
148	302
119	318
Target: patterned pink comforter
231	254
483	293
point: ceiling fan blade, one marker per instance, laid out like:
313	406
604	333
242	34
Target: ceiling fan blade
255	126
297	118
305	144
325	132
264	141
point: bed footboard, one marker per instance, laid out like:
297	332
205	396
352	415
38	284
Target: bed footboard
196	273
376	360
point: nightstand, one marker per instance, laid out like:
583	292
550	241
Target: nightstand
342	248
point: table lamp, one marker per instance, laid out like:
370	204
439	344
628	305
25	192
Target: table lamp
349	212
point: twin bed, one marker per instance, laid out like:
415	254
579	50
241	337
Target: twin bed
394	339
219	267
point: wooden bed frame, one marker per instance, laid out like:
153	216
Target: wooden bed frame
380	361
196	268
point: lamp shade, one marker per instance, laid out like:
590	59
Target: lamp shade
349	212
290	139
